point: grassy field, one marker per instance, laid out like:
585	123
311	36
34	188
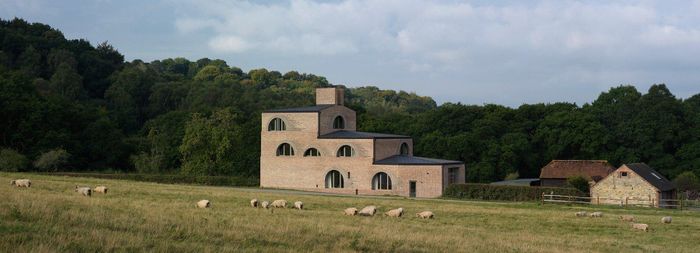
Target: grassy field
137	216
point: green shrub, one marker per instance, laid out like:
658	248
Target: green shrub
12	161
580	183
504	192
52	160
687	181
171	179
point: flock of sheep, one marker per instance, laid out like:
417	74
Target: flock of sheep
627	218
85	191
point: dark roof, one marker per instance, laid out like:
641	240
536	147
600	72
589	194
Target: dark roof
520	181
563	169
315	108
413	160
651	176
344	134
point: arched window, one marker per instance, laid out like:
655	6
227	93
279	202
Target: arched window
339	122
312	152
334	179
404	149
285	149
381	181
276	124
345	150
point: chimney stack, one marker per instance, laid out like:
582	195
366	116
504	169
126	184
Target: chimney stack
330	96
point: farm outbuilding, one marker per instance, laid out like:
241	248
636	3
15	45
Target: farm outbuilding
633	184
556	172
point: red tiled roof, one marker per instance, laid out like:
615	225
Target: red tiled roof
562	169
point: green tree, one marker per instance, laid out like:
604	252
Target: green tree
66	82
687	181
12	161
208	145
580	183
52	160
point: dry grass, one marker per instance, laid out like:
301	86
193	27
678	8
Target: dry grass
137	216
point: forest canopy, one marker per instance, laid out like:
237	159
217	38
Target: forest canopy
67	105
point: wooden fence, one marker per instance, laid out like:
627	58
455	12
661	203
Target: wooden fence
649	202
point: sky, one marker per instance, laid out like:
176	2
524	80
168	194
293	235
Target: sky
473	52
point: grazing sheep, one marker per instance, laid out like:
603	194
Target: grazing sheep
204	204
368	211
351	211
101	189
666	219
581	214
85	191
13	182
265	204
299	205
254	203
596	214
22	183
628	218
425	215
641	226
394	212
280	203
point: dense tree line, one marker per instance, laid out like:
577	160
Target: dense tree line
68	105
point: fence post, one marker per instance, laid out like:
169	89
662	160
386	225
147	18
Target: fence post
597	200
681	204
542	199
626	201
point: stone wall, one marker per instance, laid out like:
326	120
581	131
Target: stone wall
616	189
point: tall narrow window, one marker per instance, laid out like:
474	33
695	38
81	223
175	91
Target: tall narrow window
345	150
285	149
404	149
381	181
276	124
334	179
339	122
312	152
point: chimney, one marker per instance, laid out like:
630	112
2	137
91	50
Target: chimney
330	96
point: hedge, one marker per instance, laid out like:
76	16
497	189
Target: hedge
168	179
504	192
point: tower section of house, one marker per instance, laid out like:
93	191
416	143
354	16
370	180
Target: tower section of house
633	184
556	172
318	148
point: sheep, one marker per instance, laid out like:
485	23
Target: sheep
85	191
101	189
204	204
368	211
641	226
254	203
351	211
299	205
596	214
628	218
22	183
280	203
425	215
265	204
394	212
13	182
581	214
666	219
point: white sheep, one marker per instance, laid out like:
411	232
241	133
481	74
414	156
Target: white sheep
641	226
596	214
22	183
254	203
628	218
299	205
666	219
425	215
204	204
351	211
581	214
368	211
280	203
101	189
394	212
85	191
265	204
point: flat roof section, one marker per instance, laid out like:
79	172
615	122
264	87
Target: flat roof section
344	134
414	160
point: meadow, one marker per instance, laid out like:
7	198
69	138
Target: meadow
139	216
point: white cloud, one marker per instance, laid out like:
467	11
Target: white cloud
229	43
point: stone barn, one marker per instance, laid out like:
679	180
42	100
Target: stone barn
556	172
633	184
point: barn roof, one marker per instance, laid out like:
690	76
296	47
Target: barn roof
563	169
651	176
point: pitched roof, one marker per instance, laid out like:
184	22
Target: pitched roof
414	160
344	134
651	176
315	108
562	169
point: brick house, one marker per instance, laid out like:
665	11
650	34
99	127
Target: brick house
556	172
317	148
633	184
